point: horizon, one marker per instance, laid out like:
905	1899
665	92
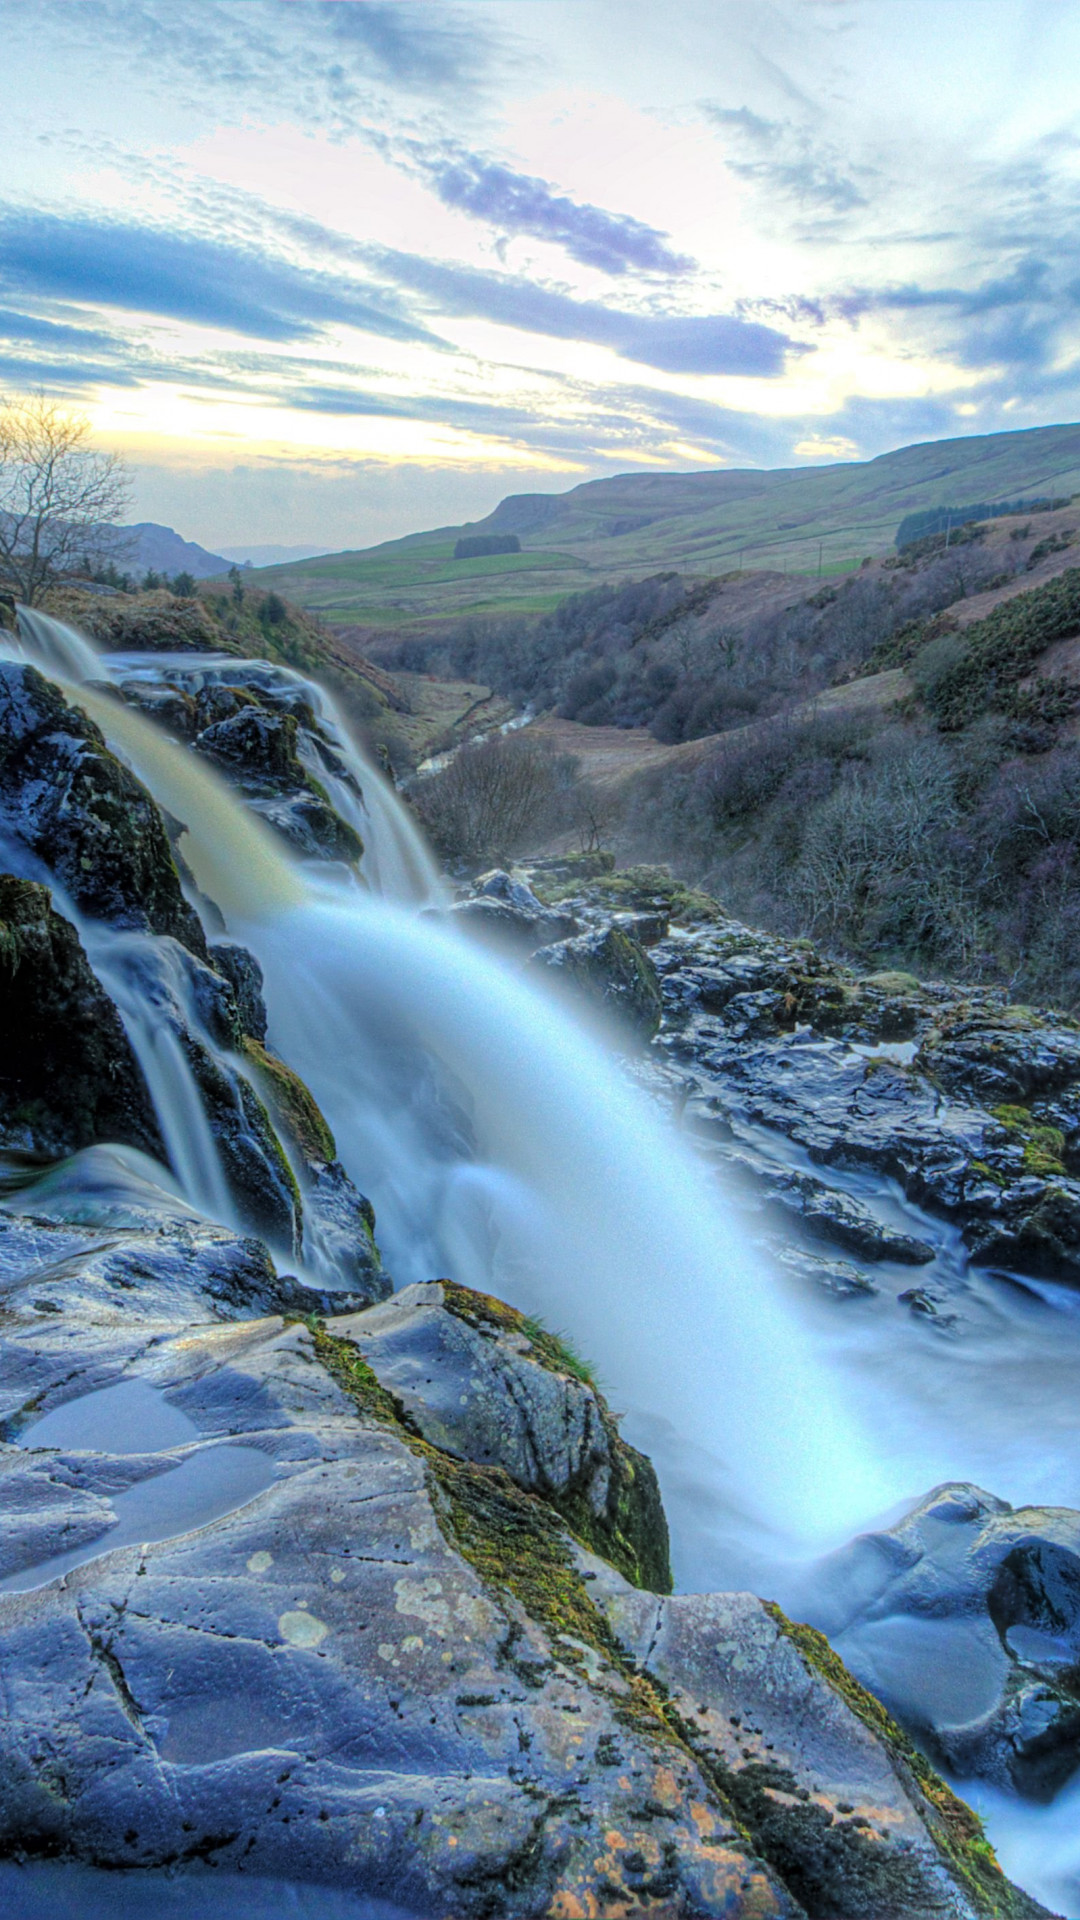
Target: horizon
353	269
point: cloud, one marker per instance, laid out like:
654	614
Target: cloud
52	333
518	203
184	277
671	342
785	158
325	58
72	376
399	42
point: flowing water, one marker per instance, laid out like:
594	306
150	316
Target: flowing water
501	1143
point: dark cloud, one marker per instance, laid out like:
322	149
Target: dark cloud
518	203
183	277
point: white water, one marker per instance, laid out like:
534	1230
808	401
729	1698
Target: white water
501	1144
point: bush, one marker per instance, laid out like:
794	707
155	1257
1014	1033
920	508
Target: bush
1001	650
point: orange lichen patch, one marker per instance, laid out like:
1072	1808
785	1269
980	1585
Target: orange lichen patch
613	1838
704	1818
567	1906
665	1787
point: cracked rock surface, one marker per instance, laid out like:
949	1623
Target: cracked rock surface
393	1667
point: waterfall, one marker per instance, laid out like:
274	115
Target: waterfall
503	1145
141	974
56	647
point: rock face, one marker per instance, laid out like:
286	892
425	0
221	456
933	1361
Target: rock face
390	1667
72	804
965	1619
257	749
68	1076
72	1079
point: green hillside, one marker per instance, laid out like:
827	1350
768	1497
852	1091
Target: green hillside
793	519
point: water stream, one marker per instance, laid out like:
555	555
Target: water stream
501	1143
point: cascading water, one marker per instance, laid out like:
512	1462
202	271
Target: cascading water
57	647
502	1144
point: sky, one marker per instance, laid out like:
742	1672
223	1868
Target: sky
331	271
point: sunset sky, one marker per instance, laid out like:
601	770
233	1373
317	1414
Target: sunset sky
329	271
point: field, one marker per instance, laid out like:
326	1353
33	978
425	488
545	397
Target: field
800	520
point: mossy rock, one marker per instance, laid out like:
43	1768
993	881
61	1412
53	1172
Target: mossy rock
68	1077
613	970
294	1108
84	814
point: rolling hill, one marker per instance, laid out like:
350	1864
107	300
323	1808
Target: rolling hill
794	519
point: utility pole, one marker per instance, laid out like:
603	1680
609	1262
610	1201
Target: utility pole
821	546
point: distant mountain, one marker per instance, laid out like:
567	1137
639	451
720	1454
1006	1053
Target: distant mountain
162	549
271	556
795	520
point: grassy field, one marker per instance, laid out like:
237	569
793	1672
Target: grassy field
798	520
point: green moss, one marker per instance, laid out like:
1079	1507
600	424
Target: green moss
984	1172
642	889
631	1533
292	1105
958	1829
1044	1147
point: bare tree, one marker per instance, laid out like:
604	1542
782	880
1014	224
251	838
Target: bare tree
58	496
493	797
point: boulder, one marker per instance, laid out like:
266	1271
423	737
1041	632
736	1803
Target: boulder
257	748
613	971
68	1076
504	910
482	1382
964	1618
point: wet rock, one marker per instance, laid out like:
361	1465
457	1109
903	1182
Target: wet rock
167	706
838	1277
75	807
1002	1057
613	971
964	1618
841	1218
68	1076
339	1231
244	974
311	826
485	1384
258	748
338	1222
847	1809
505	910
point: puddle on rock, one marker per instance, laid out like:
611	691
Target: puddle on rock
130	1417
44	1891
189	1492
